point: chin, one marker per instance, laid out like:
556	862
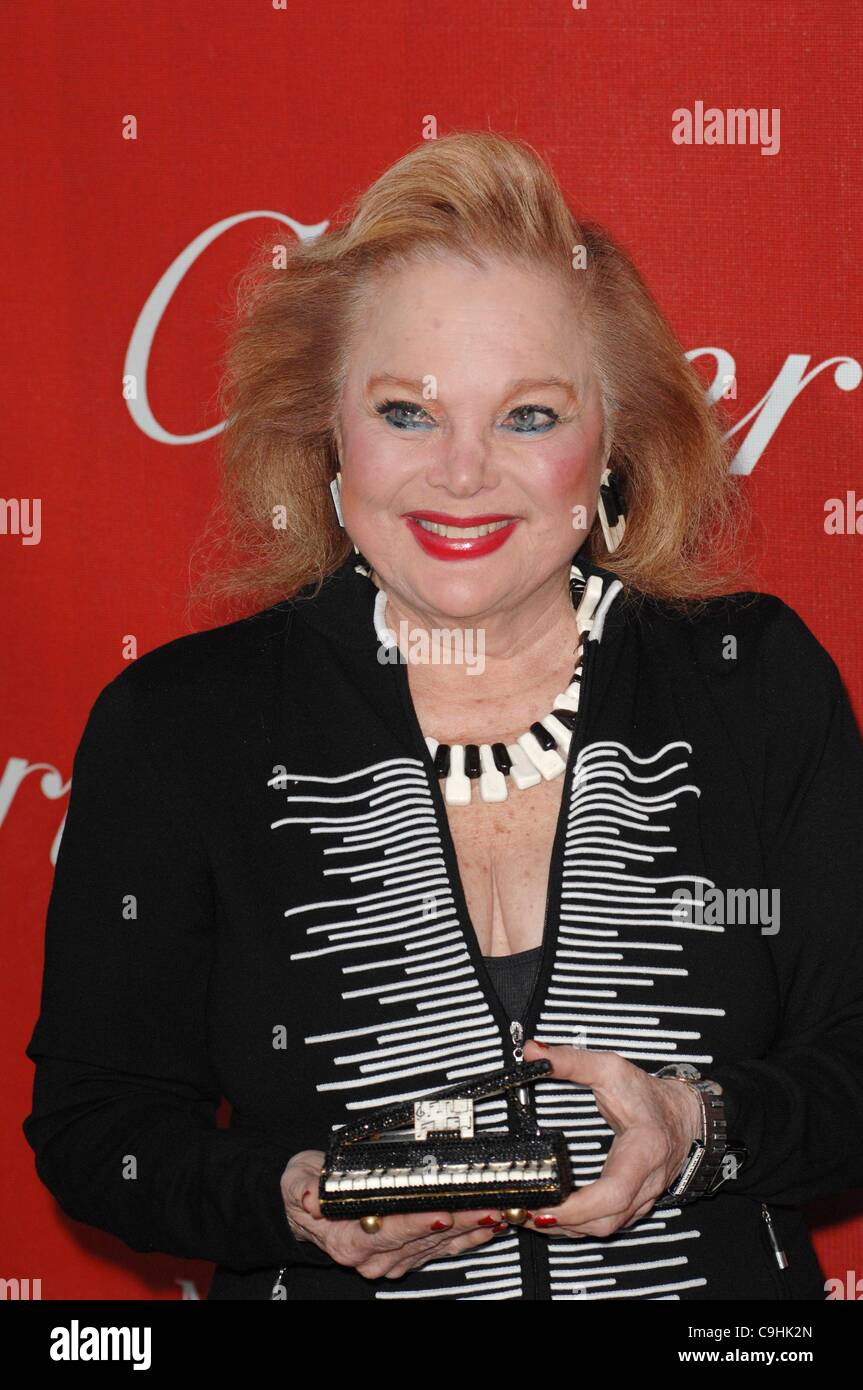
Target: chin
458	589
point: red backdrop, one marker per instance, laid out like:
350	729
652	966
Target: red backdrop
253	110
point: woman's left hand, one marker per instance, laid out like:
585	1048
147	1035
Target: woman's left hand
655	1121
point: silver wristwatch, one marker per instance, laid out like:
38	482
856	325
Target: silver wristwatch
713	1158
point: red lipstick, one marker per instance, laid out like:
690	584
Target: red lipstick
460	547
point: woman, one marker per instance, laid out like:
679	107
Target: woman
483	783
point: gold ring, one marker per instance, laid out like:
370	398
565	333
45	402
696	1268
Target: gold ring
371	1224
516	1216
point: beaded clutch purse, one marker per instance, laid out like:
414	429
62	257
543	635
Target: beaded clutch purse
437	1163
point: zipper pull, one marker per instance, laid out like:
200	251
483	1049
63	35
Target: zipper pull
779	1253
516	1032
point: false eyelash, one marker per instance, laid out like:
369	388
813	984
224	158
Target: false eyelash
390	405
540	410
530	405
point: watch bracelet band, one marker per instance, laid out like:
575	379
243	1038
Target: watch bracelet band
705	1160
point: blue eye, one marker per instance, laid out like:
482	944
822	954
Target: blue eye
408	408
405	415
523	410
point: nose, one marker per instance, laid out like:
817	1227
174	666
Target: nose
463	466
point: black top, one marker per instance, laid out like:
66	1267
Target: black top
257	899
513	978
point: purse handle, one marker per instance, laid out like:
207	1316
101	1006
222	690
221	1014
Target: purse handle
400	1115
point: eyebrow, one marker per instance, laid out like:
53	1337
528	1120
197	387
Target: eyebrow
513	388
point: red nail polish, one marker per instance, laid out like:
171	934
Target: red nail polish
545	1221
540	1044
486	1221
439	1226
501	1227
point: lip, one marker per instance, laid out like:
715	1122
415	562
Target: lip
454	548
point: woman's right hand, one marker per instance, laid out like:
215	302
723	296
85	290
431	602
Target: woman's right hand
403	1242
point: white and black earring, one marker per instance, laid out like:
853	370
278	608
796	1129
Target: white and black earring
336	490
612	512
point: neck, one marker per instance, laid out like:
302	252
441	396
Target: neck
501	675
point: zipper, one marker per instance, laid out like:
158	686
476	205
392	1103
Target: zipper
516	1033
528	1253
778	1258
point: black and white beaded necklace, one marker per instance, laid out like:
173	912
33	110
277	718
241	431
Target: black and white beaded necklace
536	755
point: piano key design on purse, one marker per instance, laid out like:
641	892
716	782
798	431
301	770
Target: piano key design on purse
441	1163
430	1172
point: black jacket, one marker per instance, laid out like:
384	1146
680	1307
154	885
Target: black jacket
307	953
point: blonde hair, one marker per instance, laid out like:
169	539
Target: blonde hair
473	195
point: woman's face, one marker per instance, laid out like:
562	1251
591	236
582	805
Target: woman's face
450	419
